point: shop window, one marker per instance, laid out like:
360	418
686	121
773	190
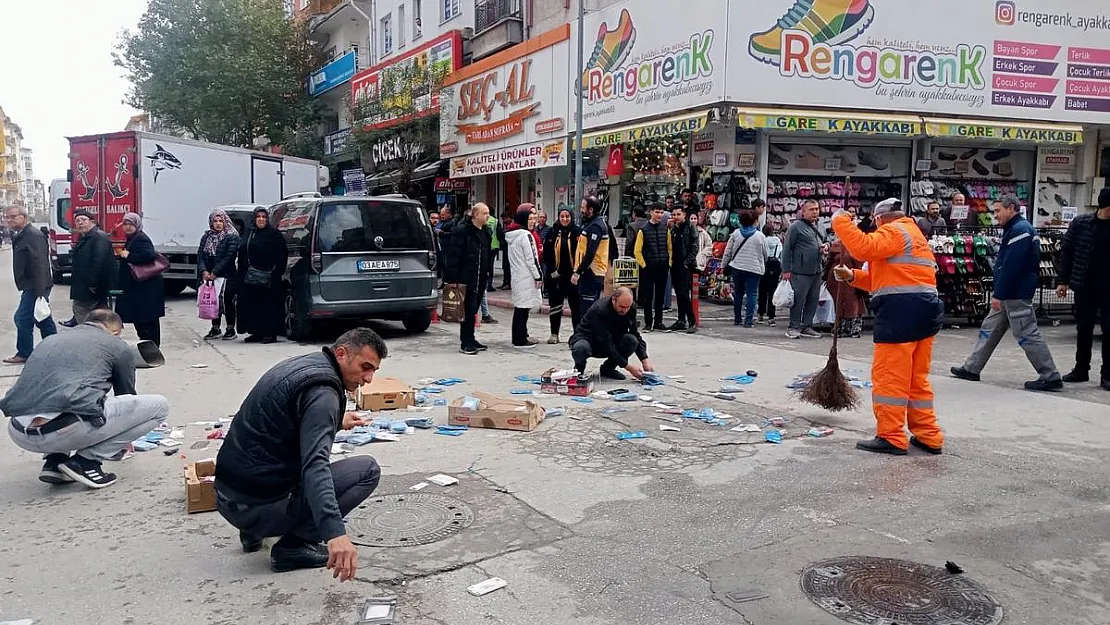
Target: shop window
980	175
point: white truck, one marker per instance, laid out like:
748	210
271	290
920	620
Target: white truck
60	237
173	184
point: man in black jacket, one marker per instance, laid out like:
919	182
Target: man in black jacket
684	260
1084	267
273	473
31	266
470	263
639	218
653	254
608	330
94	269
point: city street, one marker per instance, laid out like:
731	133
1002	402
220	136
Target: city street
678	528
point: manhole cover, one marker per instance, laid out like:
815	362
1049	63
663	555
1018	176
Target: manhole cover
882	591
407	520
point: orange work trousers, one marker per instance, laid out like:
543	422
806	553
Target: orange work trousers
901	393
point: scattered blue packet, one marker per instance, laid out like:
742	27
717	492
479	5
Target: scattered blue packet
740	379
154	437
521	391
361	439
773	436
531	379
558	411
449	381
471	403
439	402
398	427
455	428
382	423
422	423
614	410
421	398
727	388
143	445
432	389
624	436
451	432
626	397
362	429
582	400
652	379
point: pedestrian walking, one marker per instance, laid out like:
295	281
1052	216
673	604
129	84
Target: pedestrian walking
140	302
771	276
31	266
901	276
746	259
216	255
592	256
848	302
263	257
94	268
684	258
1084	267
653	254
1016	274
801	266
524	263
558	251
469	263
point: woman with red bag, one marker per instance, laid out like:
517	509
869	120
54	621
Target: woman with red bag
142	303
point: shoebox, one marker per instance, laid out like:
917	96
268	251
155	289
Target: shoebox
385	394
576	386
200	486
483	410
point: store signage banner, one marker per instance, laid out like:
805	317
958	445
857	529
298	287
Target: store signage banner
444	53
1025	59
335	73
683	125
802	121
447	185
1002	132
530	156
519	102
642	61
336	142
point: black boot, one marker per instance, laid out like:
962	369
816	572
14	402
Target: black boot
613	374
293	554
936	451
1077	375
880	446
1044	385
250	543
964	374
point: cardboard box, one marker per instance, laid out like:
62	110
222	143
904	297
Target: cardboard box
385	394
500	413
581	386
200	486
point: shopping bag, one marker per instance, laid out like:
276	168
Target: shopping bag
826	309
42	309
784	295
208	301
454	303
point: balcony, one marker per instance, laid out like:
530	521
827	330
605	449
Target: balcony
498	24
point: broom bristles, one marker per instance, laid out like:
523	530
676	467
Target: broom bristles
829	388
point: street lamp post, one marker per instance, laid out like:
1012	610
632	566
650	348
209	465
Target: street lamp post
578	190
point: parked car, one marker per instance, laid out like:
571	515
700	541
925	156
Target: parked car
356	258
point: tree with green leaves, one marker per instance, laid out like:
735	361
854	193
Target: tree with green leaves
225	71
401	109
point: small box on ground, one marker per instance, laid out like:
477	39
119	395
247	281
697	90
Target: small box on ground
385	394
566	383
499	413
200	486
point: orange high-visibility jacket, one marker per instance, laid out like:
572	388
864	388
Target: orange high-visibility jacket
901	276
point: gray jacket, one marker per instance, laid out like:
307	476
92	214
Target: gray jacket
72	372
801	253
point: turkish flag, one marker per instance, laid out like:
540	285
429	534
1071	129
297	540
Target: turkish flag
616	161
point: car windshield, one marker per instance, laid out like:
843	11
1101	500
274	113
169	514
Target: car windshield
62	209
372	226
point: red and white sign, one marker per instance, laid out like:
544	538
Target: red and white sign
443	52
447	185
516	158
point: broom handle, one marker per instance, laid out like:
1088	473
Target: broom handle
836	312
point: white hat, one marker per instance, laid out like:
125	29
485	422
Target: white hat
887	206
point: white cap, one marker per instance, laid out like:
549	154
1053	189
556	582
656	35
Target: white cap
887	206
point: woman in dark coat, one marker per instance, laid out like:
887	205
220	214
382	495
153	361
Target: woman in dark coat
216	259
263	257
558	263
140	303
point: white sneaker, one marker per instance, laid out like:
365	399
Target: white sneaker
793	334
810	333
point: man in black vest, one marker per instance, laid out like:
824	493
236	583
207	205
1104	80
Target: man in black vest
273	476
653	254
684	255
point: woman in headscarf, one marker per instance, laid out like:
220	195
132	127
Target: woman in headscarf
524	267
142	303
263	257
558	262
216	263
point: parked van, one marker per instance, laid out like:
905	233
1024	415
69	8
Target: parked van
61	241
356	258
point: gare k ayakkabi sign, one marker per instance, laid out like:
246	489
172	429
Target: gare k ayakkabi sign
515	98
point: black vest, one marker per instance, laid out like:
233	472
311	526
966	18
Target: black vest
655	245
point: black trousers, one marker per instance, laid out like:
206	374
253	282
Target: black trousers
227	307
1092	308
653	290
354	478
520	326
767	285
471	304
582	350
680	281
589	291
507	277
559	292
150	331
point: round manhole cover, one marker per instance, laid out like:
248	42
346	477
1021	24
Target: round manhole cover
406	520
874	591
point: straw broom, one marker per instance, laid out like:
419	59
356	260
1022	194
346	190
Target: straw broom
830	389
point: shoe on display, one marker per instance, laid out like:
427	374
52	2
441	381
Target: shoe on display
872	160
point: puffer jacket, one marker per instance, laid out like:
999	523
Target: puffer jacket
468	255
1075	253
524	263
222	264
653	245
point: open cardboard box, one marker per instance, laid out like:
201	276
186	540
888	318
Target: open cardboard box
500	413
580	386
385	394
200	486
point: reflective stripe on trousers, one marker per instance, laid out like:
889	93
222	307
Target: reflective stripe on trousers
902	394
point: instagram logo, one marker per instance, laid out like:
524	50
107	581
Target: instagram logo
1005	12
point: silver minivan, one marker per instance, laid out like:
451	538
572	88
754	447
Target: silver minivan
357	258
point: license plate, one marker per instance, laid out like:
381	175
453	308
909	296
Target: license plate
378	265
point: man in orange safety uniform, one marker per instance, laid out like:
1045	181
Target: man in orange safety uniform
901	276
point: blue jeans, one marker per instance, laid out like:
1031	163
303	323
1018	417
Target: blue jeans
746	284
25	324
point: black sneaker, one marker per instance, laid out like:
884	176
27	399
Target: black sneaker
1077	376
87	472
230	335
936	451
309	556
71	323
50	473
269	340
480	347
1044	385
659	327
469	350
692	330
253	338
490	320
613	374
249	542
214	333
677	326
964	374
881	446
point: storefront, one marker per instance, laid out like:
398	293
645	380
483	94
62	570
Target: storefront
503	123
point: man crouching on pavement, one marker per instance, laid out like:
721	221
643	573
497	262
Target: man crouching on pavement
273	476
60	403
608	330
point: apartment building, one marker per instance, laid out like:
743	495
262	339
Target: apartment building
11	161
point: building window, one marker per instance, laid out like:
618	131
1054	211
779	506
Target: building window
401	26
450	9
1104	170
417	11
387	34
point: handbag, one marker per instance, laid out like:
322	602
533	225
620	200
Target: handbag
256	277
454	303
153	269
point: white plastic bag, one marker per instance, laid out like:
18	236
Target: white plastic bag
42	309
784	295
826	309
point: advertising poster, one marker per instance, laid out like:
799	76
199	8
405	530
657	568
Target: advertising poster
815	160
1056	186
529	156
